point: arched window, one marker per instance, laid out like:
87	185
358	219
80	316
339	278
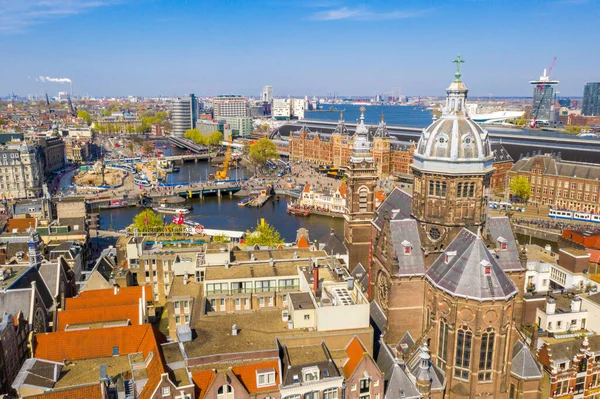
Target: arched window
459	190
465	190
443	195
462	361
471	190
363	194
442	352
225	392
486	355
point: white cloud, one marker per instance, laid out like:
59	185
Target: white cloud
363	14
17	16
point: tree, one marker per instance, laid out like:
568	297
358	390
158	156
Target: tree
196	136
214	138
262	151
221	238
147	146
265	235
147	220
521	187
85	115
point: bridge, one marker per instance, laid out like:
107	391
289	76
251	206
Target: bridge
516	142
187	144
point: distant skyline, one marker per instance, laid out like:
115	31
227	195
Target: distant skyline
312	47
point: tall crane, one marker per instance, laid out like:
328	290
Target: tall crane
222	174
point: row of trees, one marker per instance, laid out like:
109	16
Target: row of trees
211	139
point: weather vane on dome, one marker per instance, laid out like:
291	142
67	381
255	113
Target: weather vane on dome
458	61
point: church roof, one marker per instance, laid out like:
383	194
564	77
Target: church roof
438	379
382	131
405	233
331	243
378	316
523	363
398	204
499	228
467	269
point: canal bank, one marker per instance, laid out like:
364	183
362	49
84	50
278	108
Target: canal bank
224	213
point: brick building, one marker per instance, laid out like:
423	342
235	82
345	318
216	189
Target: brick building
560	184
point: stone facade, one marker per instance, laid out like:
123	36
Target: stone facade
21	170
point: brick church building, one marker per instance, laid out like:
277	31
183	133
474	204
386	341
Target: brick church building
446	280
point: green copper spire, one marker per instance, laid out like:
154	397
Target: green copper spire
457	74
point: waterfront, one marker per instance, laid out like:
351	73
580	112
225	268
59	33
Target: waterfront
224	213
410	116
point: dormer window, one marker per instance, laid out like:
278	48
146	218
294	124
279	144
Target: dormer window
502	243
310	374
448	256
265	377
487	267
407	247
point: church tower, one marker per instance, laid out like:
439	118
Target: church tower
34	251
361	178
452	167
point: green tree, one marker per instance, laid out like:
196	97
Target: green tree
261	151
214	138
106	112
147	220
221	238
147	146
521	187
85	115
196	136
264	235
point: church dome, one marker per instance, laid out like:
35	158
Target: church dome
454	142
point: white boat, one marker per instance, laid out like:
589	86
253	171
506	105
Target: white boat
496	117
171	210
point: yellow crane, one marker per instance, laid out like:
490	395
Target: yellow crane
222	174
521	120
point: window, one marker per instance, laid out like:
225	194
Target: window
311	395
579	385
511	394
115	351
362	200
442	344
310	374
225	392
486	355
330	393
265	378
459	190
166	391
177	319
462	362
306	317
365	384
222	302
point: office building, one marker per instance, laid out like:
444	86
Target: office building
229	105
267	94
591	99
184	113
542	106
240	126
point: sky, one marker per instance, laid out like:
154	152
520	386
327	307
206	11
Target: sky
310	47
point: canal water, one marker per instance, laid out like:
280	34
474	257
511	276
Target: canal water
224	213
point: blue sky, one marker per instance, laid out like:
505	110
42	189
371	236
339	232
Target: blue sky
312	47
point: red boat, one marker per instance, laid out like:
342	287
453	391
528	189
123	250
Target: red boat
292	210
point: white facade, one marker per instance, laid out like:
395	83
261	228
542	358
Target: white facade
298	107
326	201
537	277
281	108
230	106
562	322
593	309
21	172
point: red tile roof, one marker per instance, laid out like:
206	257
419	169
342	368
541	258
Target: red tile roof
97	315
122	291
594	255
303	243
101	302
88	392
343	189
306	188
355	352
202	380
21	225
247	375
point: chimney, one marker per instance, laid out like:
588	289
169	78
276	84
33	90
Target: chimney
252	257
550	306
115	289
144	299
271	262
234	330
316	278
141	312
576	305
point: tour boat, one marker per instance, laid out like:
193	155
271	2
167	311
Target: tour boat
246	200
171	210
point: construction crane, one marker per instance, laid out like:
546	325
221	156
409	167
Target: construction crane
222	174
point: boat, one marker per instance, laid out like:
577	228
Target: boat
294	210
176	169
115	204
246	200
171	210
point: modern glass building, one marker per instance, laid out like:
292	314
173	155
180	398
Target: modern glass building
184	114
542	106
591	99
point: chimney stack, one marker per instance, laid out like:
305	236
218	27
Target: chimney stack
316	278
576	305
115	289
141	312
550	306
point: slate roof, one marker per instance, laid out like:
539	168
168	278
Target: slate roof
332	244
500	227
438	379
39	373
377	316
499	153
464	275
554	166
523	363
25	281
397	200
400	385
385	360
360	275
15	301
50	272
403	232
